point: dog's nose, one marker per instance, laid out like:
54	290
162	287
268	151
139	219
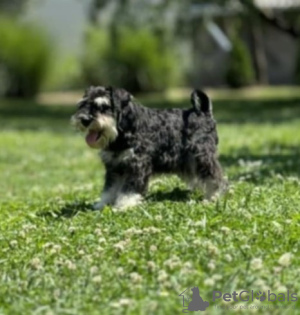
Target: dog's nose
85	121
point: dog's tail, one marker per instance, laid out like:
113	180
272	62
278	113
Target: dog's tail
201	103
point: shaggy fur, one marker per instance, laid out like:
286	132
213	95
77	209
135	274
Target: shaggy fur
137	142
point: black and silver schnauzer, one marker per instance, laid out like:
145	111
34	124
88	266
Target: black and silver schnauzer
137	142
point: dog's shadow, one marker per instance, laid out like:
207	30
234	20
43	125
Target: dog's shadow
69	210
177	194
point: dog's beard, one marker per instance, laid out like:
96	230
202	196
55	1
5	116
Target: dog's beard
100	132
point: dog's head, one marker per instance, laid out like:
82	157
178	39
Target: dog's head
98	115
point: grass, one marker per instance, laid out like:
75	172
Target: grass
58	257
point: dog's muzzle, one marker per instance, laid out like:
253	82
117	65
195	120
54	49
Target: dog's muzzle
92	138
100	130
85	121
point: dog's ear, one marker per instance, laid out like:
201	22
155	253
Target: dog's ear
94	91
201	102
124	96
119	97
88	90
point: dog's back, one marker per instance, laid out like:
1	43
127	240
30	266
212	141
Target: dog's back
171	135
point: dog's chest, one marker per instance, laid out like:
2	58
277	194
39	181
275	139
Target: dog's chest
116	158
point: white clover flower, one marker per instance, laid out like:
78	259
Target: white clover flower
36	263
56	293
94	269
285	260
102	240
276	224
120	246
230	191
277	227
88	258
98	232
151	229
247	215
256	263
71	229
281	289
217	277
211	265
131	262
205	202
212	249
228	258
97	279
152	306
162	276
259	283
164	293
151	265
120	271
168	239
125	302
55	249
99	249
158	217
47	245
173	262
246	247
133	231
225	230
28	227
197	242
13	243
201	223
81	252
279	176
115	305
153	248
135	277
210	282
188	265
277	269
70	265
22	234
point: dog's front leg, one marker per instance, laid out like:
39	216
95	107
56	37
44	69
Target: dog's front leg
112	186
134	187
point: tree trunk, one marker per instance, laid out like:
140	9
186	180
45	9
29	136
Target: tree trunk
260	59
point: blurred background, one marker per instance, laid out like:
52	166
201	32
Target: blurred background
245	54
146	45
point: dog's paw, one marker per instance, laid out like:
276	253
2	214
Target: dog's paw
125	201
98	206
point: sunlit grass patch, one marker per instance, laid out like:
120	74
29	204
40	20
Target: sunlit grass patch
59	257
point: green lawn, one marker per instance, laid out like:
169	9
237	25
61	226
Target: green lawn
58	257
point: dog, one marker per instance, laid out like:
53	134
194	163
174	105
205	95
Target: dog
137	142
